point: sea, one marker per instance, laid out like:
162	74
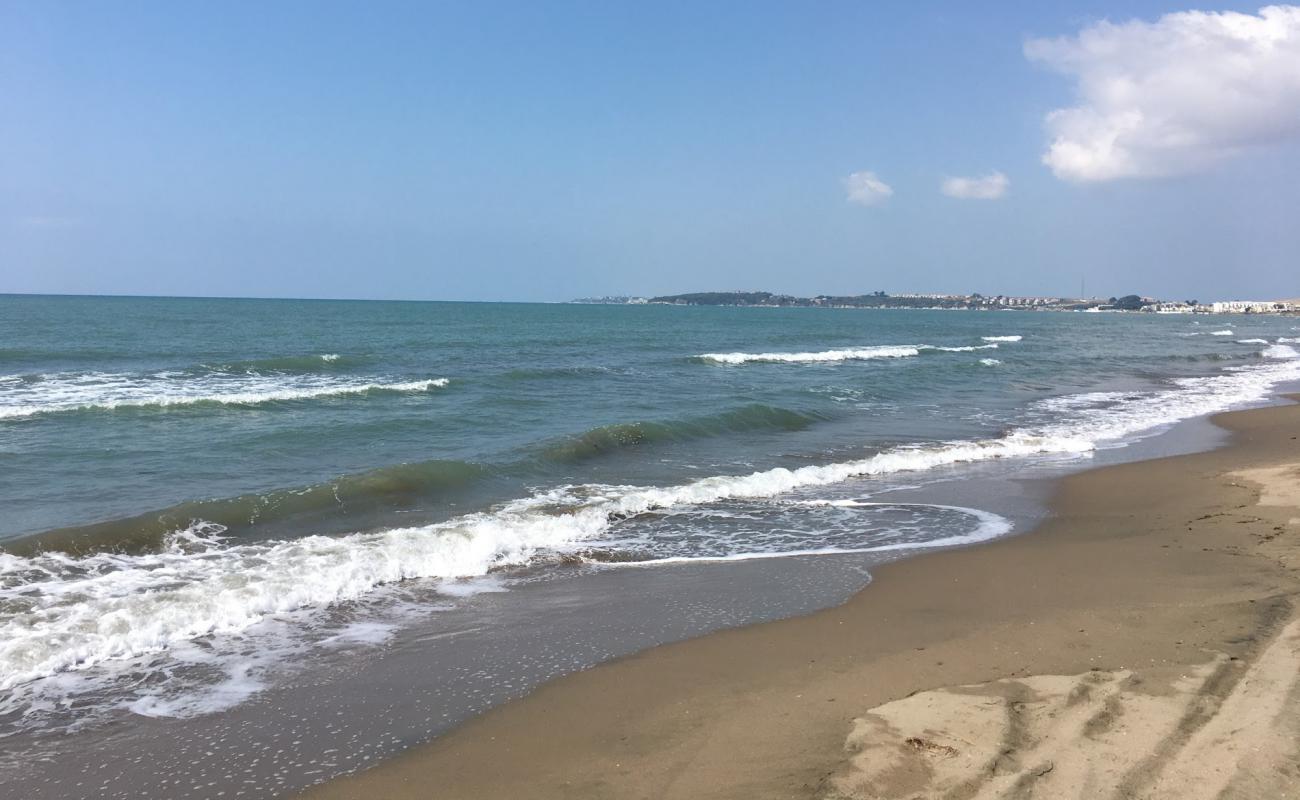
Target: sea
248	545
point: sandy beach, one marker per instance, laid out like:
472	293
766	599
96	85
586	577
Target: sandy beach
1142	642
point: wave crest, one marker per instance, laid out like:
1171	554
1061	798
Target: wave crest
339	502
62	392
66	612
847	354
753	417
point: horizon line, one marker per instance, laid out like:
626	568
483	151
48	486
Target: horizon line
570	301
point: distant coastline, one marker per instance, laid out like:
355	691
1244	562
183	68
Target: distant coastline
965	302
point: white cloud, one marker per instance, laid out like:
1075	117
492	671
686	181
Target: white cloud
866	189
1175	95
986	187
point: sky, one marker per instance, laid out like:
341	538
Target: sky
545	151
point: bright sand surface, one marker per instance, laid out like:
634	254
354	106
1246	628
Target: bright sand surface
1143	642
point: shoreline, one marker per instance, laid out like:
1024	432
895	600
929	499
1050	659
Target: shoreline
1149	567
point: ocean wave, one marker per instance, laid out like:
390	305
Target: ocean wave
289	364
25	356
1224	332
1252	341
1279	351
1002	338
990	362
848	354
339	502
560	373
609	438
97	391
64	612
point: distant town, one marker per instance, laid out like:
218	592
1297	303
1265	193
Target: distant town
967	302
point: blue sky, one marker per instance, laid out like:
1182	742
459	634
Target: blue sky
529	151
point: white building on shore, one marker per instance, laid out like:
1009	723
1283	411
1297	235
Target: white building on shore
1255	306
1176	308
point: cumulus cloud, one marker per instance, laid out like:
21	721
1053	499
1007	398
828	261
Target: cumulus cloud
986	187
866	189
1175	95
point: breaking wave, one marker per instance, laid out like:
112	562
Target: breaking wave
848	354
348	499
338	502
60	611
28	396
1279	351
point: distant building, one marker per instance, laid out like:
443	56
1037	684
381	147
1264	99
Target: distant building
1022	302
1255	306
1175	308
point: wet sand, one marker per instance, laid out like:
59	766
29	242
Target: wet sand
1140	643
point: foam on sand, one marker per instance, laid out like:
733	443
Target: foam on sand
986	525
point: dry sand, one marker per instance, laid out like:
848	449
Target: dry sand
1142	643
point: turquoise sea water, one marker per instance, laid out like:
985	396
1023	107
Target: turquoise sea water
175	471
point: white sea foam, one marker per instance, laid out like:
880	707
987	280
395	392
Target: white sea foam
1224	332
1084	400
62	392
1291	339
67	613
239	681
987	526
1002	338
1279	351
1252	341
990	362
848	354
81	611
366	632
